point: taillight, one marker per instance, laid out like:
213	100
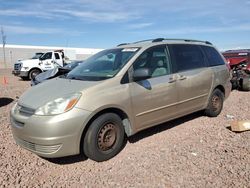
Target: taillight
228	66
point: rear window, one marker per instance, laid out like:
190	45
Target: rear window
187	56
214	58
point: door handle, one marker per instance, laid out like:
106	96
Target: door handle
182	77
171	80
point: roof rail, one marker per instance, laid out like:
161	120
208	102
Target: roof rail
148	40
191	40
158	40
163	39
186	40
122	44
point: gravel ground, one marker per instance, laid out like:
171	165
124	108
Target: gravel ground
194	151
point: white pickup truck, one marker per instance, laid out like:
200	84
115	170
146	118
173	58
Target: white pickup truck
28	69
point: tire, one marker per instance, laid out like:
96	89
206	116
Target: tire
245	86
33	73
104	138
24	78
215	103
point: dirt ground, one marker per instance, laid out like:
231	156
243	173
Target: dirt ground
193	151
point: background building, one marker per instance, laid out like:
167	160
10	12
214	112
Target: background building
16	52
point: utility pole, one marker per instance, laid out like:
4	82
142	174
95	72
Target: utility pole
4	42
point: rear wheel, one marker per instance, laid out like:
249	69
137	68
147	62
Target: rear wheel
245	84
33	73
215	103
104	138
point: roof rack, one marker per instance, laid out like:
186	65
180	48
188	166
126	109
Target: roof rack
186	40
163	39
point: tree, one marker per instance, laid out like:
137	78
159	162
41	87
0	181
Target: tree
4	42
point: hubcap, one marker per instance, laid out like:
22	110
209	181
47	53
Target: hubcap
34	74
216	102
107	136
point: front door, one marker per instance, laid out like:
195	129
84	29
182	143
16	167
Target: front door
46	61
154	99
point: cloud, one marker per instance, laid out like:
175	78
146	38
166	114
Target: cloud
17	29
29	13
126	11
198	30
92	16
139	25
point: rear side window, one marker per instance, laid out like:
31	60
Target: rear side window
187	57
214	58
57	56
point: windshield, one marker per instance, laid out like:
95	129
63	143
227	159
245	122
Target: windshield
73	65
36	56
103	65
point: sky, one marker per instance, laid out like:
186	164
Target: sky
106	23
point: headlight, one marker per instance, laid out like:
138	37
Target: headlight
59	106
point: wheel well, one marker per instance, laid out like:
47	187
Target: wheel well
35	69
117	111
221	88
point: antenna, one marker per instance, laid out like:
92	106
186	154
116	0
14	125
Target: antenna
4	42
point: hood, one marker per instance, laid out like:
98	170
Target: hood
46	75
50	90
28	61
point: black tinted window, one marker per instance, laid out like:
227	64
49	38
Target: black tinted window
57	56
187	57
155	59
46	56
213	56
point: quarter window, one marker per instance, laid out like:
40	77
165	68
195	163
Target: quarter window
187	57
214	58
156	60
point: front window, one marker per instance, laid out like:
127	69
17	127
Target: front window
46	56
103	65
156	60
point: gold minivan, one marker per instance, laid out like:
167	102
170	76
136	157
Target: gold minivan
118	92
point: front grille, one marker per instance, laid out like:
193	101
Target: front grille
26	111
17	66
23	110
18	123
37	148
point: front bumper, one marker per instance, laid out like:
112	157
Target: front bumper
20	73
50	136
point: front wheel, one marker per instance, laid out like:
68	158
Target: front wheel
33	73
104	138
215	103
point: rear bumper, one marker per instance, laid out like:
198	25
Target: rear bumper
228	89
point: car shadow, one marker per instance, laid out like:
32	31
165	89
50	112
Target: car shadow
135	138
163	127
67	160
5	101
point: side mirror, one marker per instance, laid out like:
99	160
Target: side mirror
141	74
